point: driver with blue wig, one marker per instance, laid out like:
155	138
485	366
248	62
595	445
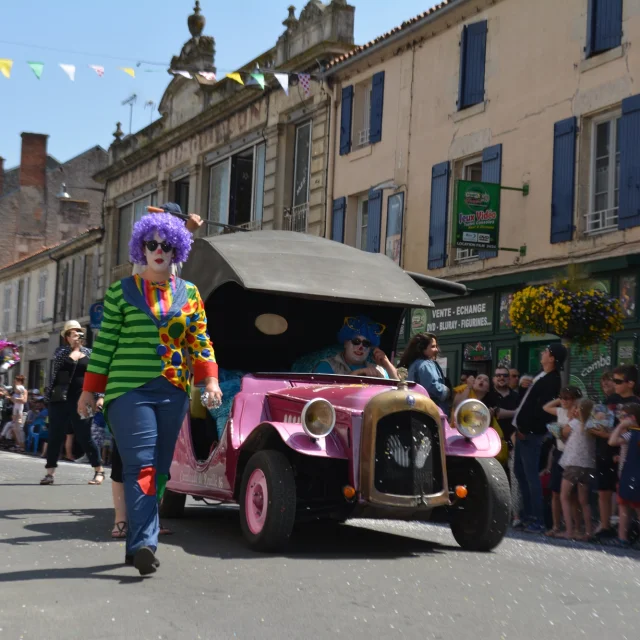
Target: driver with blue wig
358	336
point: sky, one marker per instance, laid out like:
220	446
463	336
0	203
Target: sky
120	33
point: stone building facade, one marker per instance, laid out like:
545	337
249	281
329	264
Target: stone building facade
32	215
237	155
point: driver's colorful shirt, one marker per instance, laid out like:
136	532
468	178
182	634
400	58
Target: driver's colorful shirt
140	340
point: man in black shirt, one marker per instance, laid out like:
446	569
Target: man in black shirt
625	379
507	401
530	422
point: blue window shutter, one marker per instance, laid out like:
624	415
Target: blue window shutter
377	103
629	203
491	172
337	222
439	215
563	184
604	26
346	115
473	53
374	221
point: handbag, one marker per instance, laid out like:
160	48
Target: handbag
61	388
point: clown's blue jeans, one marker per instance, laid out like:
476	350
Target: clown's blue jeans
146	422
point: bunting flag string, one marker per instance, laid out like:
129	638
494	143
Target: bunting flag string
254	78
70	70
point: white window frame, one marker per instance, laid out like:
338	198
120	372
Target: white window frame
359	226
255	220
467	255
6	310
22	305
42	294
605	221
362	136
152	194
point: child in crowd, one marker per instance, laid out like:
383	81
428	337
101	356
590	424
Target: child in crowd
578	462
561	409
19	397
627	436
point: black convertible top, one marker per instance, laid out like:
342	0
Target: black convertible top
301	265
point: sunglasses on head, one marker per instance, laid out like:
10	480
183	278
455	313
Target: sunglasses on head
152	245
618	381
356	342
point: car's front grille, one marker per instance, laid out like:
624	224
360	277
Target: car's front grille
408	460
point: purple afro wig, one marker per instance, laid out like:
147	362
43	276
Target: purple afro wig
168	227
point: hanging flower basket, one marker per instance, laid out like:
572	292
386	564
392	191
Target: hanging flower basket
581	316
9	355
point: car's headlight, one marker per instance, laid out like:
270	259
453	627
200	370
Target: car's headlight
318	418
472	418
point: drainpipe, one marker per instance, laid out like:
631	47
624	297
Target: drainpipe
333	111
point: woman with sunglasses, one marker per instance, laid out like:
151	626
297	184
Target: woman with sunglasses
420	359
358	336
153	324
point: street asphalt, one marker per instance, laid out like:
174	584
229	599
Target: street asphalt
61	576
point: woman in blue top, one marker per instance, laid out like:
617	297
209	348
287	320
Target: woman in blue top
420	359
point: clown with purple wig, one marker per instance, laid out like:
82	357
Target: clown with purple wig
153	344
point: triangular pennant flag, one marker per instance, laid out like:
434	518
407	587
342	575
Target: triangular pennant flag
70	70
208	75
235	76
259	78
129	71
5	67
184	74
37	68
305	82
98	69
283	79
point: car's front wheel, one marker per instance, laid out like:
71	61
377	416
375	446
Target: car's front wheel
480	521
267	501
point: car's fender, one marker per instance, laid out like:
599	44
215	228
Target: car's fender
295	438
488	445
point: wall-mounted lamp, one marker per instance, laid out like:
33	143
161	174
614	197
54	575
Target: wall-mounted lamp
62	194
387	184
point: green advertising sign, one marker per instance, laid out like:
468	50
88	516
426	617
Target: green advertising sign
477	215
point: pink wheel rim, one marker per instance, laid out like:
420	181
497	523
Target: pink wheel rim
255	501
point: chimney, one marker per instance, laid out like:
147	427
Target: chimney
1	176
33	160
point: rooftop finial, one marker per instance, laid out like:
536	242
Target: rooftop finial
118	133
196	21
291	20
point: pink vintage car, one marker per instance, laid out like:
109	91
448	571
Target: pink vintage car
300	446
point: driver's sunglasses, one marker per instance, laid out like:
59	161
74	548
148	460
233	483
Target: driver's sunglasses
152	245
356	342
376	327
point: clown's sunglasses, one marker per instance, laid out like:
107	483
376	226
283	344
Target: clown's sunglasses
375	327
152	245
356	342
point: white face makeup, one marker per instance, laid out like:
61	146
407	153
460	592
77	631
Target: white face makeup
356	353
158	261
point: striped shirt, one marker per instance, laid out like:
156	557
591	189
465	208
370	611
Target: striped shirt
134	346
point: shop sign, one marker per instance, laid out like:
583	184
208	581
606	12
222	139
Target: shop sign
628	289
477	215
587	366
395	211
471	315
477	351
625	353
418	321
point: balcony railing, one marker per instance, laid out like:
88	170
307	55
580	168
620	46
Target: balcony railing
295	219
363	137
601	221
